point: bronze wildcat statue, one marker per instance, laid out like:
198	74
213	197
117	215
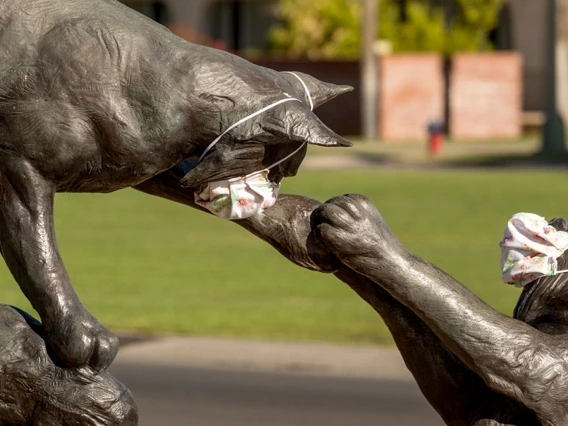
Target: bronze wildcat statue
95	97
474	365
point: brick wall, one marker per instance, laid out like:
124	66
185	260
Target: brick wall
486	95
411	95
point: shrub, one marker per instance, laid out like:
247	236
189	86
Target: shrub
331	28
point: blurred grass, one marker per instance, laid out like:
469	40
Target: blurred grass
142	263
416	152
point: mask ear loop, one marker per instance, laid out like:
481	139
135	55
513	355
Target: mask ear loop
311	108
287	157
241	121
305	88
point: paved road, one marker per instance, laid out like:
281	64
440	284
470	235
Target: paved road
183	396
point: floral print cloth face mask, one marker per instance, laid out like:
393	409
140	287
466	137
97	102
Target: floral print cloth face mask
530	249
240	197
246	196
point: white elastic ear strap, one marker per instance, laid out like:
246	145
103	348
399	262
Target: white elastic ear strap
305	88
311	108
287	157
238	123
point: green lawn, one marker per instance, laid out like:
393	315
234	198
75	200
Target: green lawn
142	263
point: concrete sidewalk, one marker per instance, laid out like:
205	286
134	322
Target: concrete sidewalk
300	358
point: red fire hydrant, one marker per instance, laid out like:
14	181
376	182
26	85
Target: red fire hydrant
435	137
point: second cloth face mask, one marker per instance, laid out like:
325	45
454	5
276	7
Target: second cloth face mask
530	249
240	197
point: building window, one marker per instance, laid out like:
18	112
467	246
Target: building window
243	25
154	9
501	36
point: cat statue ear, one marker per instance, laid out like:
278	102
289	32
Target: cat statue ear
319	91
309	128
294	121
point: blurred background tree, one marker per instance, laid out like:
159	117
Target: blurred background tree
331	28
317	29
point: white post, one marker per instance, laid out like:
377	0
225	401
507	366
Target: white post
553	133
369	79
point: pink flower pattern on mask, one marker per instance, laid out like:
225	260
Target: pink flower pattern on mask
240	197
